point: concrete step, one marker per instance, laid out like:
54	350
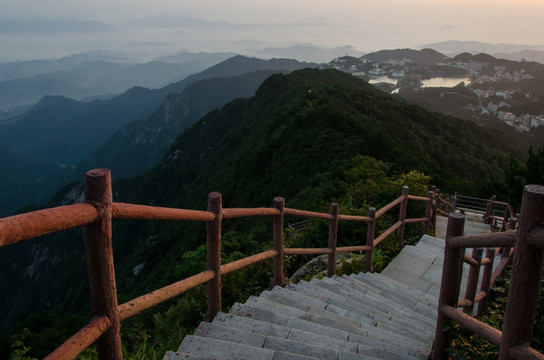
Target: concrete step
171	355
430	299
358	290
255	326
220	349
326	326
391	315
384	282
419	310
359	311
392	326
396	296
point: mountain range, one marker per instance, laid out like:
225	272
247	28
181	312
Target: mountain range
93	75
123	132
515	52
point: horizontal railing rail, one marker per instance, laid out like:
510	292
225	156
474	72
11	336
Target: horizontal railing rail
524	247
96	213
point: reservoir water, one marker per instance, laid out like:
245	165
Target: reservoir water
432	82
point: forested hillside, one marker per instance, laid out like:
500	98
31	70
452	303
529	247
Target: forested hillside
313	137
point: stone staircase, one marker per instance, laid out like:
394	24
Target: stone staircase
391	315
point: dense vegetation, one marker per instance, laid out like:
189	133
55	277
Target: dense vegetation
313	137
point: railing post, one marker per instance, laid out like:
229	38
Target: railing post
435	205
428	213
333	238
449	288
213	252
454	202
526	271
490	212
100	262
370	239
279	203
486	281
472	280
511	226
505	219
402	216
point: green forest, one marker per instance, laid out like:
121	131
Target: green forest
312	136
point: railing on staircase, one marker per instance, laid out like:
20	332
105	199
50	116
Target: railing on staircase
528	259
96	215
495	213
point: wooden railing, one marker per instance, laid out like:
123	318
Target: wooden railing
96	215
528	259
495	213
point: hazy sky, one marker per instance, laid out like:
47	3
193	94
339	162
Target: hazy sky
365	25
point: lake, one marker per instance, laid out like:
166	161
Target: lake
432	82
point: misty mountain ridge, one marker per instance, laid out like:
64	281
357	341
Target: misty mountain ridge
423	56
90	78
58	26
67	131
515	52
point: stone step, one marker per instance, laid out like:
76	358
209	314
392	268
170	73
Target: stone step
299	342
233	335
397	296
256	326
359	290
392	311
391	315
358	311
364	305
352	296
219	349
433	241
381	282
327	326
171	355
430	299
399	327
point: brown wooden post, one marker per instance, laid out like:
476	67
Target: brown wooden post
213	251
490	212
512	223
472	280
278	279
511	226
370	239
402	216
486	281
435	205
526	271
100	262
428	213
333	239
449	289
505	219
